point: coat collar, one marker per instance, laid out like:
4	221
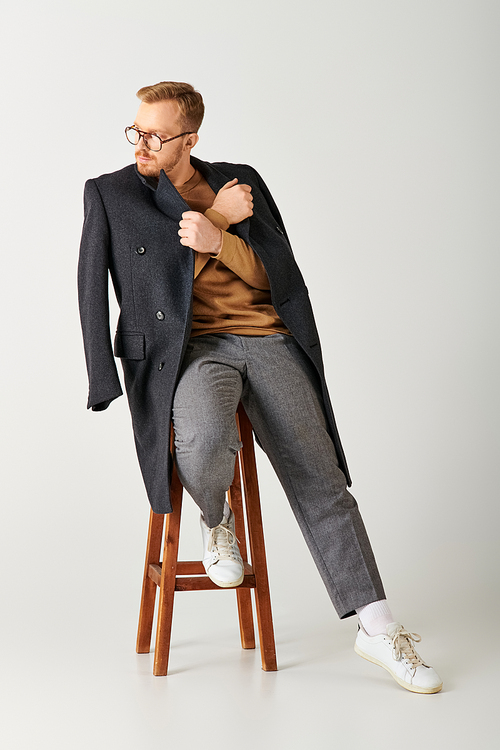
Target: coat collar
169	200
212	175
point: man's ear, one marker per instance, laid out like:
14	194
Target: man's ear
191	141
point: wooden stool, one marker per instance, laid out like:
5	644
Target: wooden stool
172	575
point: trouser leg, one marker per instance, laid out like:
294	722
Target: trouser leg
206	435
277	385
286	411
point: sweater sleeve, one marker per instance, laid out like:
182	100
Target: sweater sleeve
236	255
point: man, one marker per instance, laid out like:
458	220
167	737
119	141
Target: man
214	310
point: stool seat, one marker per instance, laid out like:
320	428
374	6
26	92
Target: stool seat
171	575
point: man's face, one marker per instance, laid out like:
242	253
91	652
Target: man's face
162	118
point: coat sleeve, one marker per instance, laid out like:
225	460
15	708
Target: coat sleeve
93	265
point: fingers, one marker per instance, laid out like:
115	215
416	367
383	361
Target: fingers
229	184
197	232
232	183
187	224
190	220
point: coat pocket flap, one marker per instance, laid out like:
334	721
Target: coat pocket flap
129	345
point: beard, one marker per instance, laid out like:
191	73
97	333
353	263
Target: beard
155	166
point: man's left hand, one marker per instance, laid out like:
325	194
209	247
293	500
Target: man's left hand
197	232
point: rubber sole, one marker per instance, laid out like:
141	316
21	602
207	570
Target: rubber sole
230	585
405	685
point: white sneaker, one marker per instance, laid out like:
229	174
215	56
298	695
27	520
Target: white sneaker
221	555
396	653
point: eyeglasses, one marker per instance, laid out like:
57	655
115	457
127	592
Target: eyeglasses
152	141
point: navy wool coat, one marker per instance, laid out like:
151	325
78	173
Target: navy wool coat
131	231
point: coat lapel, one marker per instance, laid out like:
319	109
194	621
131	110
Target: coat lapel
168	200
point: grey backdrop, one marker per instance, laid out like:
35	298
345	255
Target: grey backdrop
388	110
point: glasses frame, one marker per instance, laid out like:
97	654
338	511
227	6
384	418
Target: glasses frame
143	133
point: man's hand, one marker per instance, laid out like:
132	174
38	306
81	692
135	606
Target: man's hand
198	232
234	201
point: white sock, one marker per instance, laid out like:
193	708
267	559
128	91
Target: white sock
375	617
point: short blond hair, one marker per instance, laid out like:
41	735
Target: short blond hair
190	101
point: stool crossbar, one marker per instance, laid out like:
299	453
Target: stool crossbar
170	575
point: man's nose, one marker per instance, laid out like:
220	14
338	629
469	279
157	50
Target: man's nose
144	142
141	147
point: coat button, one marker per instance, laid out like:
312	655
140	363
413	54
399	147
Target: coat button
160	315
140	250
160	366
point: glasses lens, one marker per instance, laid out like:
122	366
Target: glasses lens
153	142
132	136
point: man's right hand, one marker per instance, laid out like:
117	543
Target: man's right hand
234	201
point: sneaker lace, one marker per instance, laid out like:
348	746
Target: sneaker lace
402	646
223	543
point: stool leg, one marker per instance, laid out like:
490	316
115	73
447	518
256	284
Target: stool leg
243	595
168	574
147	608
257	547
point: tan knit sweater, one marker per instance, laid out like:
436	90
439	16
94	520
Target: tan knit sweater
231	290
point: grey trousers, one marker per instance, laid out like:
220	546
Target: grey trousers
277	386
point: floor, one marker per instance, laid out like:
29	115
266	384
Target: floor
71	678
